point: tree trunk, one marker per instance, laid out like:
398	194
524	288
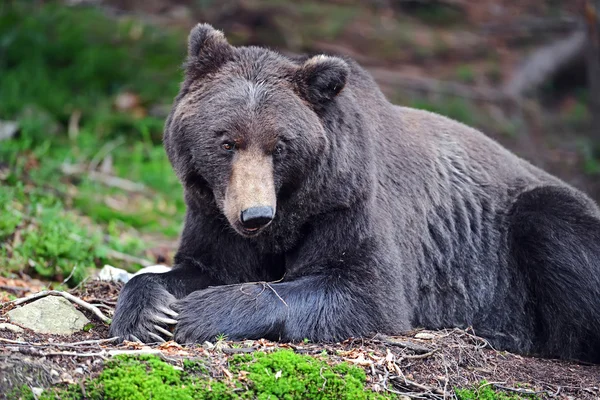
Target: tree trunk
592	14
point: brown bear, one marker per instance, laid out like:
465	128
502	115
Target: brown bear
317	209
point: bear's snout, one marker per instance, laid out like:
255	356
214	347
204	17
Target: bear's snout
250	199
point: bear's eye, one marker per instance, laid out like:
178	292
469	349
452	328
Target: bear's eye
228	146
278	150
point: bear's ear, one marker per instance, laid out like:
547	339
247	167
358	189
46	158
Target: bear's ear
321	78
208	50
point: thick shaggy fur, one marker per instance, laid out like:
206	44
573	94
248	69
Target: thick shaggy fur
387	218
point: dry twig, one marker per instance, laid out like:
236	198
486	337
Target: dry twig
407	345
419	386
520	390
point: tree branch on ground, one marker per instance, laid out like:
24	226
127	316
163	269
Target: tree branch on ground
95	310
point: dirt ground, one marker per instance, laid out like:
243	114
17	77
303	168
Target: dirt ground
420	364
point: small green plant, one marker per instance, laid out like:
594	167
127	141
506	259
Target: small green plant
221	337
465	73
485	391
591	158
578	115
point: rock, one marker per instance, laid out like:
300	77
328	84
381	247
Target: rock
110	273
11	328
51	314
208	345
425	336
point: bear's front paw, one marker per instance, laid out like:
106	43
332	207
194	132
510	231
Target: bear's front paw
144	312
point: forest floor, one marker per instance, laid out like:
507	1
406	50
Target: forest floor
420	364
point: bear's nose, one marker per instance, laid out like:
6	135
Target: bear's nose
256	217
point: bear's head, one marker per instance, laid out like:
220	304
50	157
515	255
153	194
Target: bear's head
246	126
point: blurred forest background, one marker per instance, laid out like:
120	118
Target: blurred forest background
85	87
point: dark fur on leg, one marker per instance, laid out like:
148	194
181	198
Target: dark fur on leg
318	308
555	241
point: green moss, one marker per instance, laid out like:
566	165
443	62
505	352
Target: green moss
287	375
278	375
485	391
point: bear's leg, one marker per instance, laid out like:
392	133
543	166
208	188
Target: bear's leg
144	312
554	238
318	307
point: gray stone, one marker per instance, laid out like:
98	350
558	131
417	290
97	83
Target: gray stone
425	336
51	314
11	328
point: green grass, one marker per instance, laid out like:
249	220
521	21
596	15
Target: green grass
577	116
57	62
326	21
465	73
37	232
278	375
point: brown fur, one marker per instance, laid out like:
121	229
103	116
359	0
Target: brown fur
388	218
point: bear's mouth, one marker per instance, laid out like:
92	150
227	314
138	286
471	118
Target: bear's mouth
249	232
